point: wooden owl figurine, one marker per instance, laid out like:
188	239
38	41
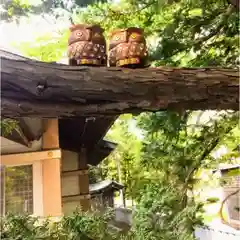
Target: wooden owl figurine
87	45
128	48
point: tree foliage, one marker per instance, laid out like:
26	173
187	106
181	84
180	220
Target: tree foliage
161	171
7	126
187	33
13	10
180	33
80	225
123	164
176	146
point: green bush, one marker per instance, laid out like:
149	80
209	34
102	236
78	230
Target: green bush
98	226
79	225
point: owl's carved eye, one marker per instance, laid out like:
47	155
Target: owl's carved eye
79	34
116	38
133	35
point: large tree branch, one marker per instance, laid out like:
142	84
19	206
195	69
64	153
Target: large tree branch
32	88
218	27
207	150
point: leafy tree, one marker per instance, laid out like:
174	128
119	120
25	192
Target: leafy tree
95	174
176	146
11	9
123	164
187	33
48	48
180	33
14	10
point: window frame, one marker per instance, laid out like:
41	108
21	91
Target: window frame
37	185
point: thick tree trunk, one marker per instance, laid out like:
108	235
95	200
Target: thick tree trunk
32	88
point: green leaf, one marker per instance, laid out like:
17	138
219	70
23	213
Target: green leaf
233	172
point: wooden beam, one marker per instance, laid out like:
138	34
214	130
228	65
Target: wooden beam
51	134
74	173
29	157
52	200
2	190
32	88
75	198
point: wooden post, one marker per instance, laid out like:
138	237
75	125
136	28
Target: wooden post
2	190
52	204
84	181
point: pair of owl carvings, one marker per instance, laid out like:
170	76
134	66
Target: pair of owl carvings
87	46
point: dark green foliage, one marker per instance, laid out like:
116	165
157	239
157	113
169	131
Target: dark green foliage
78	226
95	174
187	33
180	33
7	126
123	164
176	147
160	214
13	10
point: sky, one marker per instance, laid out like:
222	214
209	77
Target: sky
27	30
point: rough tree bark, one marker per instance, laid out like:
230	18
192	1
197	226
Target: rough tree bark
33	88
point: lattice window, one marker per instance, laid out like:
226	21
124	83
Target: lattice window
17	196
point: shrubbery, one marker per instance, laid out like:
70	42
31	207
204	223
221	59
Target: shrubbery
79	225
94	226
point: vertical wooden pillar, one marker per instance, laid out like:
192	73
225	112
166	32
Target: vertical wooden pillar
52	204
2	190
84	181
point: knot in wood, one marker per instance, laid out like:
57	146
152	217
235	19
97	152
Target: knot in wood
41	87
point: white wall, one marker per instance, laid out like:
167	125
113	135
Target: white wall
7	146
213	234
